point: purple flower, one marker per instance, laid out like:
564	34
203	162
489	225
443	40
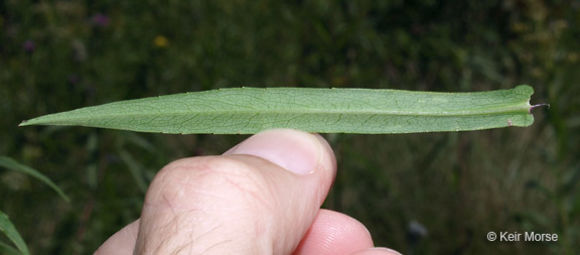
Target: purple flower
100	20
29	46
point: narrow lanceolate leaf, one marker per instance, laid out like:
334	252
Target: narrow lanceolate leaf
10	231
250	110
14	165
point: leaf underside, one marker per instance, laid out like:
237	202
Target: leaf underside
250	110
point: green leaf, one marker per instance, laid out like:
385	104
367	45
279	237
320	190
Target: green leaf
12	164
250	110
8	228
7	249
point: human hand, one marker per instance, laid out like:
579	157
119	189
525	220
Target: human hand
262	196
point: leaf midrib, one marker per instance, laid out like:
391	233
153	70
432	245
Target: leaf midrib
494	110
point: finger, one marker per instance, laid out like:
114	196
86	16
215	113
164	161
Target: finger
334	233
122	242
258	198
377	251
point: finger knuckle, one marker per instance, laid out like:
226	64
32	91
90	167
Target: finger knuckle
220	177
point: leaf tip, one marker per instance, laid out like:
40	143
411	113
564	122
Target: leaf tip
29	122
537	106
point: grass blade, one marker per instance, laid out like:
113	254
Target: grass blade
8	228
250	110
12	164
135	169
7	249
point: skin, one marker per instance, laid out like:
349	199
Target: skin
263	196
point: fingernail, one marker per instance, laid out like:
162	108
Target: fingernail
295	151
393	251
388	250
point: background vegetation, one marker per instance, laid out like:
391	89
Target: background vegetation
436	193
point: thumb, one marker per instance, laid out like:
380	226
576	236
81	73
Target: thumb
260	197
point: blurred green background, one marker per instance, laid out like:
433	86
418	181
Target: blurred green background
434	193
